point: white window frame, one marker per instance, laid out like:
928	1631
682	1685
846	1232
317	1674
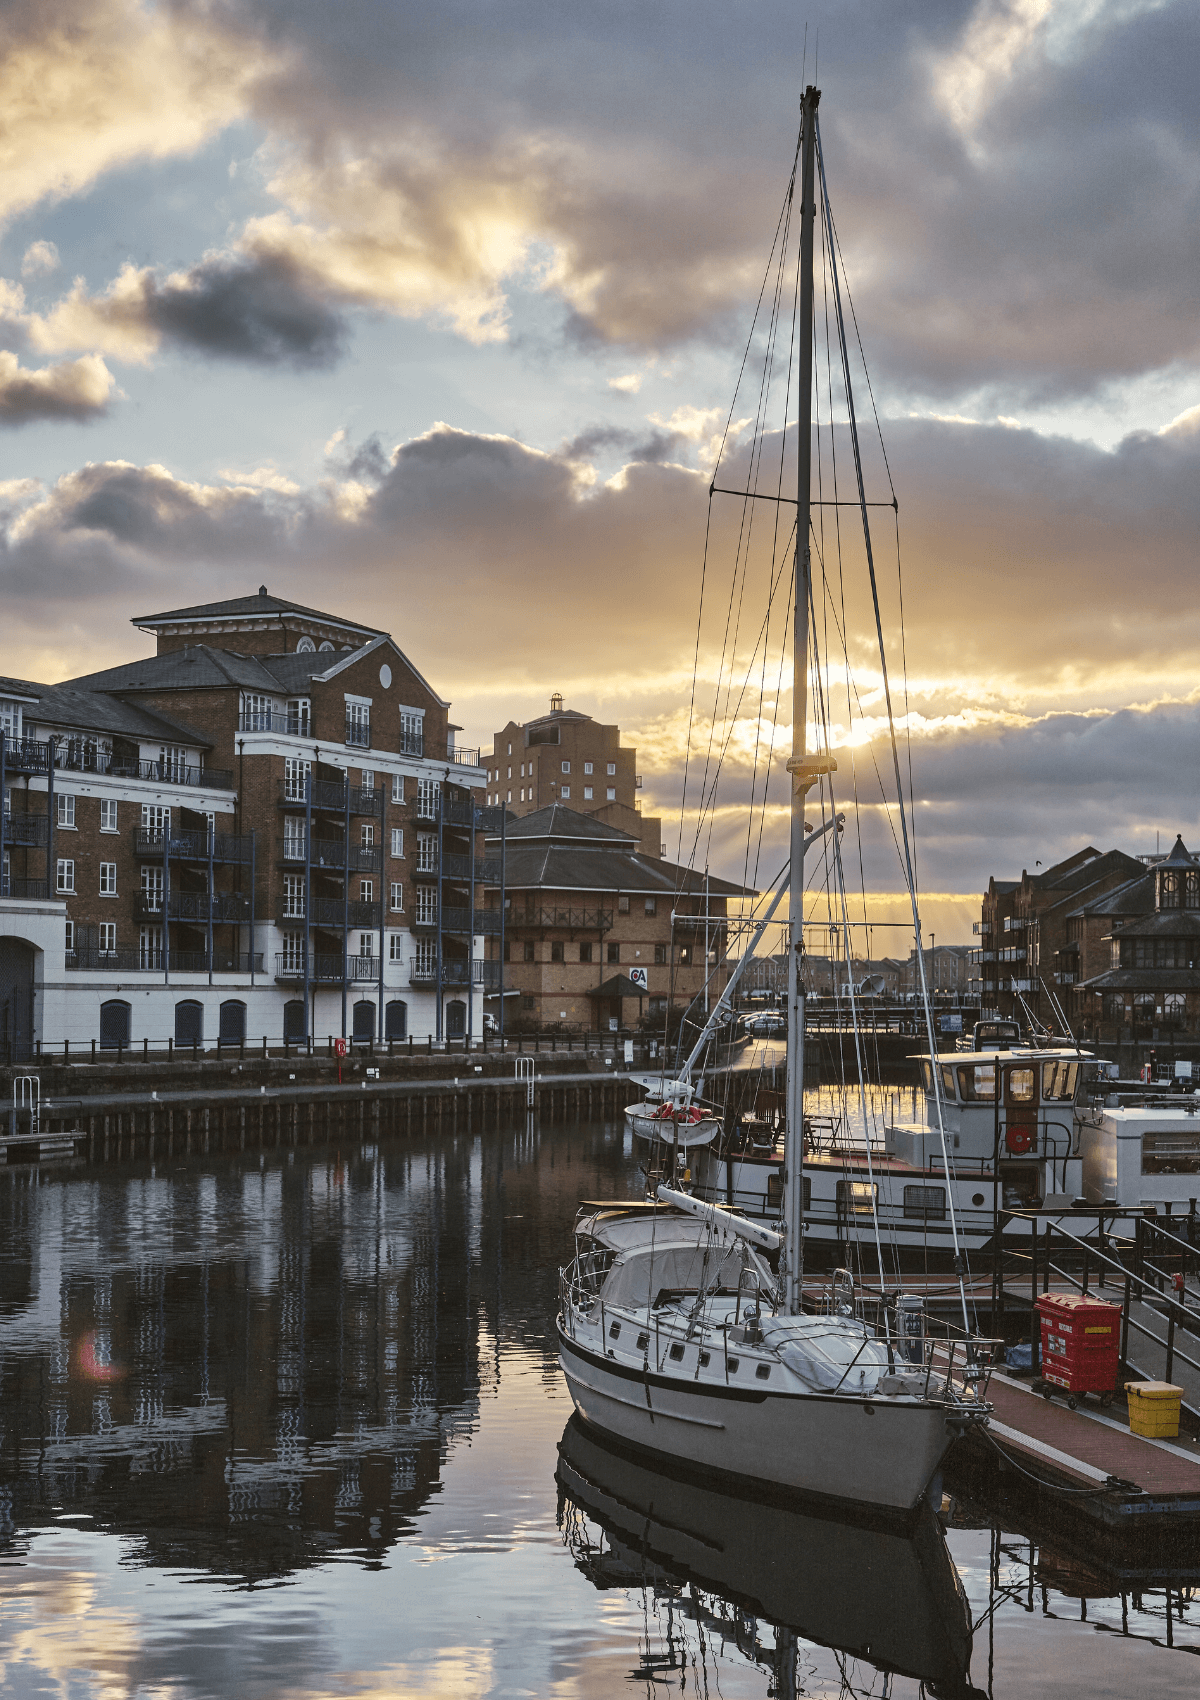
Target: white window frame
611	794
366	946
566	767
295	773
588	766
398	843
395	947
396	896
65	815
299	714
366	891
64	877
70	938
293	897
612	768
588	794
108	938
152	884
366	835
108	880
397	788
426	911
563	791
108	815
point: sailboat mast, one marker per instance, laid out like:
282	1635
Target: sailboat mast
805	770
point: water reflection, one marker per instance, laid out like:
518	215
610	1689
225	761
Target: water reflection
763	1577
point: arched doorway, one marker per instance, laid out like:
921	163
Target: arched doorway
456	1019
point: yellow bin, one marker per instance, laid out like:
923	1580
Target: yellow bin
1154	1409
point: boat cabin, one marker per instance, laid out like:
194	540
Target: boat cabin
1016	1107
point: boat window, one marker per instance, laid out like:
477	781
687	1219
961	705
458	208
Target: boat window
763	1372
643	1340
948	1081
977	1083
704	1359
926	1076
677	1352
614	1332
731	1364
925	1203
1058	1079
856	1198
1171	1153
1021	1086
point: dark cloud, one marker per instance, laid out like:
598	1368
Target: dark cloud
73	389
263	309
618	439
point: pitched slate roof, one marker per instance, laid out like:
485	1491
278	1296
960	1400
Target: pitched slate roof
246	607
73	705
558	824
559	868
620	986
1151	979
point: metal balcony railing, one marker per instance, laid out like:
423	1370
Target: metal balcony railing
226	906
459	868
327	795
329	855
358	733
29	891
192	844
423	971
478	923
132	959
569	919
29	830
26	755
473	815
290	966
275	720
412	743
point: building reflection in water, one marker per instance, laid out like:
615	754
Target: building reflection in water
251	1366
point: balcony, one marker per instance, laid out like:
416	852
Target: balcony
358	733
981	927
327	795
329	912
84	759
1066	979
289	966
569	920
472	815
425	920
27	830
1018	923
423	971
28	891
192	845
426	867
194	906
476	923
1014	953
276	720
26	755
329	855
459	868
133	960
425	803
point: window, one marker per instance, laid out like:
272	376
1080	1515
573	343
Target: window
556	951
114	1024
189	1022
395	947
293	838
856	1198
150	947
152	888
1021	1086
366	944
398	842
613	953
685	956
522	793
510	797
256	712
587	767
612	767
366	891
395	1019
397	896
428	792
564	791
368	780
426	906
299	716
172	762
660	953
587	793
611	794
528	953
232	1027
65	881
522	770
1114	1007
424	963
366	835
585	952
295	779
652	906
977	1082
108	814
108	879
10	718
412	733
622	905
566	767
293	896
70	940
925	1203
66	811
397	788
427	852
306	646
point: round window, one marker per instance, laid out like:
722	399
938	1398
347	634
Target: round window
385	676
977	1199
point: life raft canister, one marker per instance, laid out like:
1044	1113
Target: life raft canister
1018	1139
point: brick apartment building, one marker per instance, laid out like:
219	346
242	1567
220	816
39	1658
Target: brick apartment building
263	829
598	935
567	757
1113	939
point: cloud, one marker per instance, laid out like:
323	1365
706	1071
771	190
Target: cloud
264	310
41	258
76	389
630	384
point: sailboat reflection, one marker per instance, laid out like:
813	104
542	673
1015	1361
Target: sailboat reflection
884	1594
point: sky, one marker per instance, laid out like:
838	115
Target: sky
435	315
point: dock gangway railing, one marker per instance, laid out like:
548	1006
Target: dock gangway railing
1134	1285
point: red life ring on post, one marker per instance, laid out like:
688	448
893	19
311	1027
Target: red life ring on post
339	1047
1019	1140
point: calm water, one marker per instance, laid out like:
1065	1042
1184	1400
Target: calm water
292	1428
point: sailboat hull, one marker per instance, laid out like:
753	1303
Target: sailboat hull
847	1451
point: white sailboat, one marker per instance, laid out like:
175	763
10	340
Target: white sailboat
681	1327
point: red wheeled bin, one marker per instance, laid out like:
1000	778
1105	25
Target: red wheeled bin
1081	1346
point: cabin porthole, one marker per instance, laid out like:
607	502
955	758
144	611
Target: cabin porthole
614	1332
731	1364
676	1353
643	1340
704	1359
763	1372
977	1199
